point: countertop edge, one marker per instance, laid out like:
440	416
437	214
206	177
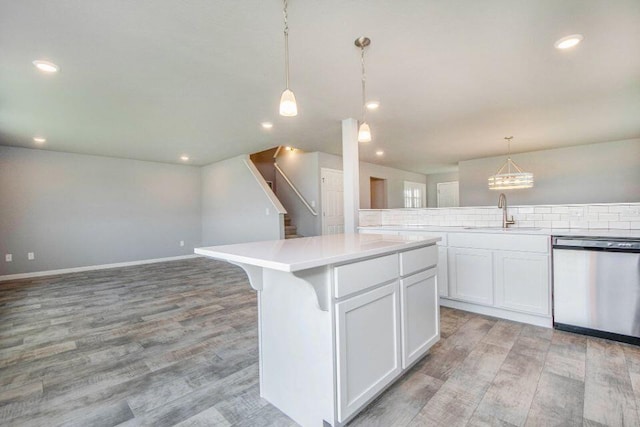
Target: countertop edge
318	262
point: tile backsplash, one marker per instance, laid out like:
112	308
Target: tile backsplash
625	216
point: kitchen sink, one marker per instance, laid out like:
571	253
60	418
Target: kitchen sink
504	229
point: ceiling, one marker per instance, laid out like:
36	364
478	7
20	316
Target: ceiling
155	79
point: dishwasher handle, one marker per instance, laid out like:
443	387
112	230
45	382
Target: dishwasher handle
597	244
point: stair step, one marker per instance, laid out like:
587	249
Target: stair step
290	229
293	236
287	221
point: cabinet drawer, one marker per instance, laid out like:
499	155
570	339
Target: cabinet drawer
351	278
502	241
418	259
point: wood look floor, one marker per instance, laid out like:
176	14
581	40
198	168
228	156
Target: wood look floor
175	344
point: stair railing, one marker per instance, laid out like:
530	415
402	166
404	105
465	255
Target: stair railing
295	190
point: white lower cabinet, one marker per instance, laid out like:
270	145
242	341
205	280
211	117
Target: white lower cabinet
443	274
368	346
522	282
420	322
471	275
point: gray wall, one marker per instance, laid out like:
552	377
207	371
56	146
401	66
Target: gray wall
234	205
598	173
432	186
302	169
77	210
395	180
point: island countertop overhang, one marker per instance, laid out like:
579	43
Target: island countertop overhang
310	252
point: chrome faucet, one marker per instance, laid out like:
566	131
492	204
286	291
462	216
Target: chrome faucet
502	204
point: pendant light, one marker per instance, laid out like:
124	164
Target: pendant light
288	106
364	132
510	176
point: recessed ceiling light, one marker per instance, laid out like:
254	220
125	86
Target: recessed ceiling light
289	148
379	153
39	140
373	105
568	41
184	158
46	66
266	125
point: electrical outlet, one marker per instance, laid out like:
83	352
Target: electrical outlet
267	211
31	256
181	242
313	203
8	257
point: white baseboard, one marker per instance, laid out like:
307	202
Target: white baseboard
532	319
93	267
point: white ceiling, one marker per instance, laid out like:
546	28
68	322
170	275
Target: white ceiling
154	79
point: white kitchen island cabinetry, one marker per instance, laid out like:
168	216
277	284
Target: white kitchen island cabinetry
340	317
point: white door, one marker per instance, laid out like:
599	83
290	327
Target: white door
471	275
331	197
368	346
420	315
522	282
448	194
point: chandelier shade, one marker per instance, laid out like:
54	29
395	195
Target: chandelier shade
364	133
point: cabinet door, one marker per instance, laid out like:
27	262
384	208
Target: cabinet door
471	275
522	282
420	315
443	275
368	346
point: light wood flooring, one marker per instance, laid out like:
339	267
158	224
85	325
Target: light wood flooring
175	344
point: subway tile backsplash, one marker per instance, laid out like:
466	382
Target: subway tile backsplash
625	216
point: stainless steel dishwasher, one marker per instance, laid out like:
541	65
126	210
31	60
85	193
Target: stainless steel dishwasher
596	287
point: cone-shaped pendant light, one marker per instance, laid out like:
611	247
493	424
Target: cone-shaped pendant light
364	132
288	106
510	176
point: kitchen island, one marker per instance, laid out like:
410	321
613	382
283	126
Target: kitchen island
340	317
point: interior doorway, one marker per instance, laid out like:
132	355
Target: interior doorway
448	194
378	192
331	198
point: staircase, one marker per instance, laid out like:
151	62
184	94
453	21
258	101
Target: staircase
290	231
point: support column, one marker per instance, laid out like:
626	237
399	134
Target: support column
351	171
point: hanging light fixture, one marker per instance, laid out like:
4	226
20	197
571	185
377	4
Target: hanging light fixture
288	106
510	176
364	132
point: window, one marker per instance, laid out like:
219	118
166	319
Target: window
415	194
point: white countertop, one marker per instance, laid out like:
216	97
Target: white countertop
309	252
628	234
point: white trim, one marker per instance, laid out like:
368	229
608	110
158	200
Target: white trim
295	190
531	319
263	184
93	267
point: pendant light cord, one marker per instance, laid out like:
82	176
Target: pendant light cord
509	138
286	42
364	87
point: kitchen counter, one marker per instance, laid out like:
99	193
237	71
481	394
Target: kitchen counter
310	252
340	317
628	234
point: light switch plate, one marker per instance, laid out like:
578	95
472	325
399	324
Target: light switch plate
31	256
8	257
